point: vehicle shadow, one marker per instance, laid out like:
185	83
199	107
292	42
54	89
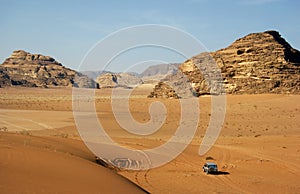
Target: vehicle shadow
221	173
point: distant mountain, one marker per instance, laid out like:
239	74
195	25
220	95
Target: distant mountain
94	74
35	70
255	64
152	74
160	71
112	80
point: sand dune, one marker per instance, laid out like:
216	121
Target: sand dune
257	151
54	165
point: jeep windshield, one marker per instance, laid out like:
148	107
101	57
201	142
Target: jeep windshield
212	166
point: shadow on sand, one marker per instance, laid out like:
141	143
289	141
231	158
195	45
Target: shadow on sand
221	173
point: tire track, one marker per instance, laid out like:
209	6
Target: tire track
142	179
290	167
224	162
44	126
281	162
228	182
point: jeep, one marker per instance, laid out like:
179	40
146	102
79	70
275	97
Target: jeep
210	167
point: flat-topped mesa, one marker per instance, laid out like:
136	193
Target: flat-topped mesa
35	70
255	64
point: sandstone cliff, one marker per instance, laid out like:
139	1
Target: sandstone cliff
255	64
36	70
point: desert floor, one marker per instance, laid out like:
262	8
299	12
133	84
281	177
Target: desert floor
258	150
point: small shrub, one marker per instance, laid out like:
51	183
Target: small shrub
25	132
3	129
64	135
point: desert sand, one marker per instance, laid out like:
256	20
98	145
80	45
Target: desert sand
258	150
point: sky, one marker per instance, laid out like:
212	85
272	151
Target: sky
68	30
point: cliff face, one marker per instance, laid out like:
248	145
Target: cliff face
257	63
35	70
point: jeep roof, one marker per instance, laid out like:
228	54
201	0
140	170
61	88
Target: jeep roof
211	163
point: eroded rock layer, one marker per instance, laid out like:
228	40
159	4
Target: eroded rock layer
36	70
255	64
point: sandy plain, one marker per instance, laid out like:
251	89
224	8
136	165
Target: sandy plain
41	151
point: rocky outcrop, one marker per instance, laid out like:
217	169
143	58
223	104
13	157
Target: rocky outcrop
94	74
260	63
128	80
4	79
163	90
107	80
255	64
112	80
203	74
36	70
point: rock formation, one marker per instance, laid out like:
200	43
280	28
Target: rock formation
128	80
112	80
94	74
36	70
255	64
163	90
107	80
159	72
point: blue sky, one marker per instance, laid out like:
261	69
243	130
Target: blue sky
67	30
